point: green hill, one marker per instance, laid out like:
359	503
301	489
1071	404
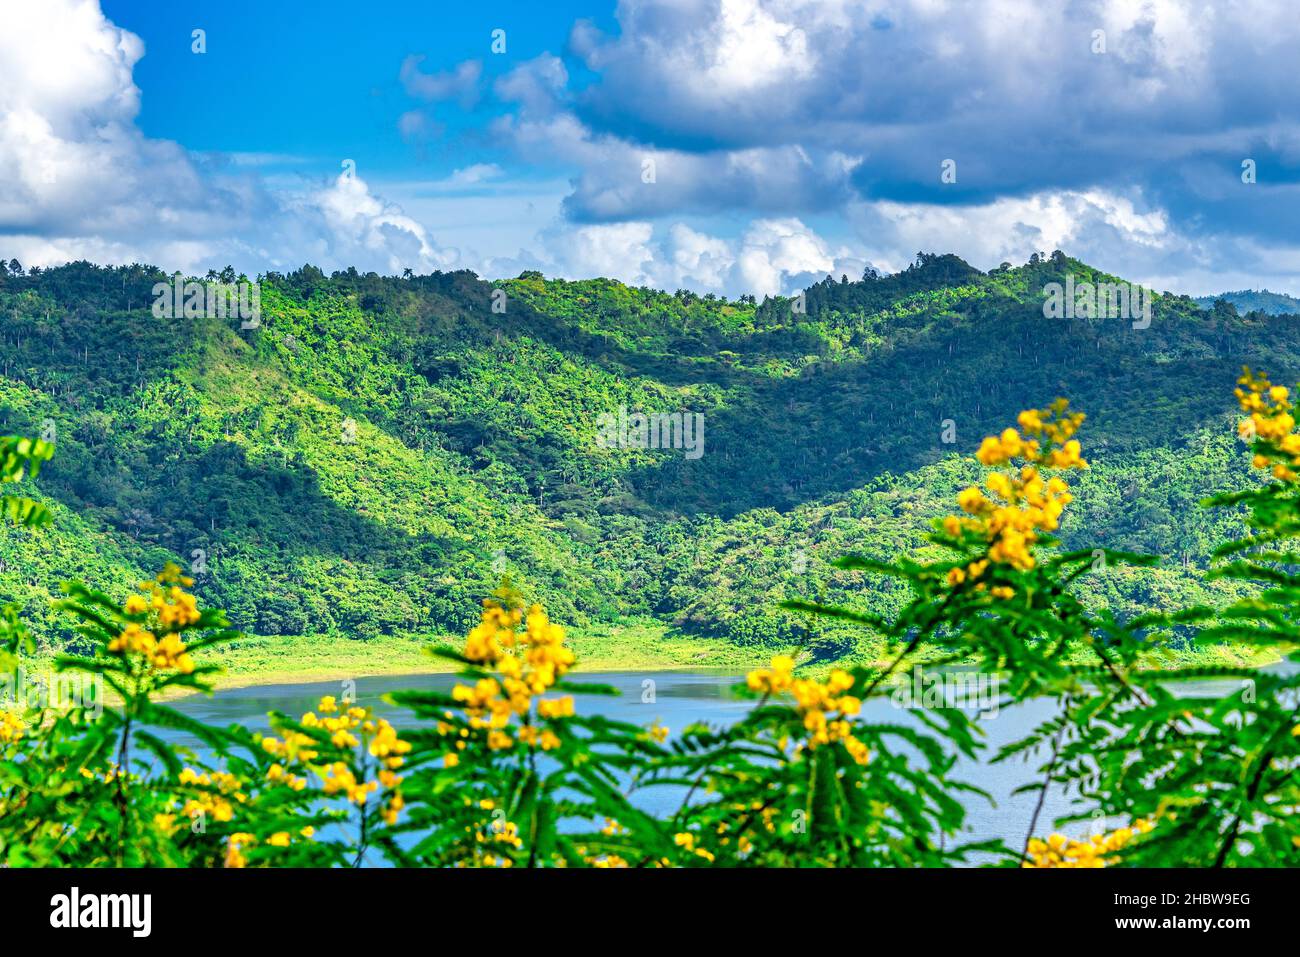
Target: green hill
1255	300
371	458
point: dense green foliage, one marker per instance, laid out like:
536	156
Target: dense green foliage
1256	300
505	770
378	451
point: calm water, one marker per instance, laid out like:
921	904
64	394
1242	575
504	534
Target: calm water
677	699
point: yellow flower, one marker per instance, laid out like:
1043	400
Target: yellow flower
772	680
823	706
1098	851
972	500
1272	423
1023	503
556	708
234	847
11	727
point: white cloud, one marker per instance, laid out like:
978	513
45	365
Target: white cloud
472	175
1126	235
759	116
369	233
622	180
537	85
617	250
772	257
702	261
459	83
78	179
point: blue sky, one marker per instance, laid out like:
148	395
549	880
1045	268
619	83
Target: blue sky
729	146
325	84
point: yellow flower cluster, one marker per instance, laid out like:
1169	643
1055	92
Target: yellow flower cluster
337	777
340	726
236	843
393	806
11	727
686	840
824	707
535	663
490	833
1010	511
214	803
235	846
1272	419
174	609
295	746
556	708
546	739
390	749
528	664
277	774
1060	851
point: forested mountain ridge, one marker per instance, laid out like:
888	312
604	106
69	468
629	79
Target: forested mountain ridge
378	451
1255	300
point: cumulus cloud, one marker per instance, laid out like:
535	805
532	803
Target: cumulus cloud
1013	86
365	231
621	180
78	179
772	257
797	107
1010	229
1114	129
537	85
732	146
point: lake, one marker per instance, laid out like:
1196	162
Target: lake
679	698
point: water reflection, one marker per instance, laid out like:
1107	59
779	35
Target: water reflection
679	698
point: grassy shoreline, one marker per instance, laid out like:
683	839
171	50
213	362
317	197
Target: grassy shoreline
641	646
303	659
